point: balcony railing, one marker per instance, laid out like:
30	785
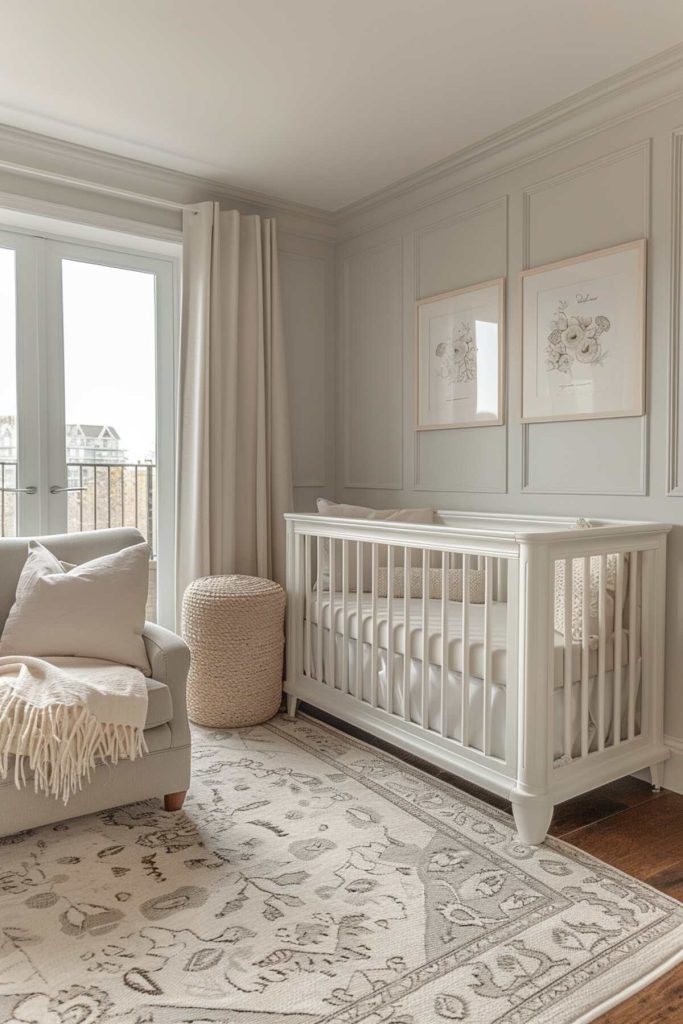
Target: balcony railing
113	494
8	499
106	494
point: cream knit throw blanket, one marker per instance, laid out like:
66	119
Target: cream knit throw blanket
58	718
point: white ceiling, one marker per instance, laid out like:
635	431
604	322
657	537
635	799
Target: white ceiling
318	101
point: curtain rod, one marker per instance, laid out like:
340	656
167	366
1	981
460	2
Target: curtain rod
91	186
119	193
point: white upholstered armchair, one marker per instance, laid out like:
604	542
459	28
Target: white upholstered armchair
165	769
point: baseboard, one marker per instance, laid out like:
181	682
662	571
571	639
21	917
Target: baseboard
673	771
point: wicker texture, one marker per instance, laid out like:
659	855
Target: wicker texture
233	626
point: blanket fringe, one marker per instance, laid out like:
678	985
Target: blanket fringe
60	743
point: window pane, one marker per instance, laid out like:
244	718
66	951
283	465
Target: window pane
110	399
8	395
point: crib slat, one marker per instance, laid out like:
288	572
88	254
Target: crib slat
444	641
585	654
359	621
568	649
465	690
618	630
332	632
632	640
501	580
345	617
425	639
319	586
373	614
390	628
602	601
486	720
406	634
309	587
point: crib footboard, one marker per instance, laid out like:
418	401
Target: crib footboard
593	605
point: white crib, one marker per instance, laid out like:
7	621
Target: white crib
460	642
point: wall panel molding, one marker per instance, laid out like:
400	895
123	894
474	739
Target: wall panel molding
456	218
643	148
350	479
418	485
322	475
421	438
675	481
640	490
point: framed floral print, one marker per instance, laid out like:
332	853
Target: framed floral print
459	358
583	336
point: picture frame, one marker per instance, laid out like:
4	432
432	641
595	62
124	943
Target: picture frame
460	357
583	336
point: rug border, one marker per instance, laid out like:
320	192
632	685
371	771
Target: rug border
634	987
572	852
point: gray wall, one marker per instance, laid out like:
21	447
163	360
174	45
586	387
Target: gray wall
307	281
578	191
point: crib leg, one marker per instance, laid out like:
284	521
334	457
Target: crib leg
657	775
292	702
533	815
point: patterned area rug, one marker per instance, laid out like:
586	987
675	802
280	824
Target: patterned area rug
316	880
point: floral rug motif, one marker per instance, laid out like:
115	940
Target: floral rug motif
313	879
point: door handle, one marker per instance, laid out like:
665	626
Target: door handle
21	490
56	489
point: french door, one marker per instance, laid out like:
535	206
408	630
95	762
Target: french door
87	368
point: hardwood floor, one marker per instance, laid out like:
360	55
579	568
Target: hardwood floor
624	824
645	839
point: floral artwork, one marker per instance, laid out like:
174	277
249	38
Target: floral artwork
583	336
575	338
459	358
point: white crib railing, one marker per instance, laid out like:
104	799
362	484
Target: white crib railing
620	718
326	559
442	639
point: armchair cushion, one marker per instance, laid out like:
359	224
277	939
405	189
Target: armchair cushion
159	704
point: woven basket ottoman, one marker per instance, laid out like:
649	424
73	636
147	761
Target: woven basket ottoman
234	627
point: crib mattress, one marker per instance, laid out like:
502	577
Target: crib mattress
388	691
320	608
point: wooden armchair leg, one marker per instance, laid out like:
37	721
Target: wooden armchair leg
174	801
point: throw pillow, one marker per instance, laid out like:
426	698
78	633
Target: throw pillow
94	610
395	515
594	596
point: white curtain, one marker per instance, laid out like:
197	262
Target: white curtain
234	476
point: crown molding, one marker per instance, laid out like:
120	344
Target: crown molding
660	79
79	168
31	155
